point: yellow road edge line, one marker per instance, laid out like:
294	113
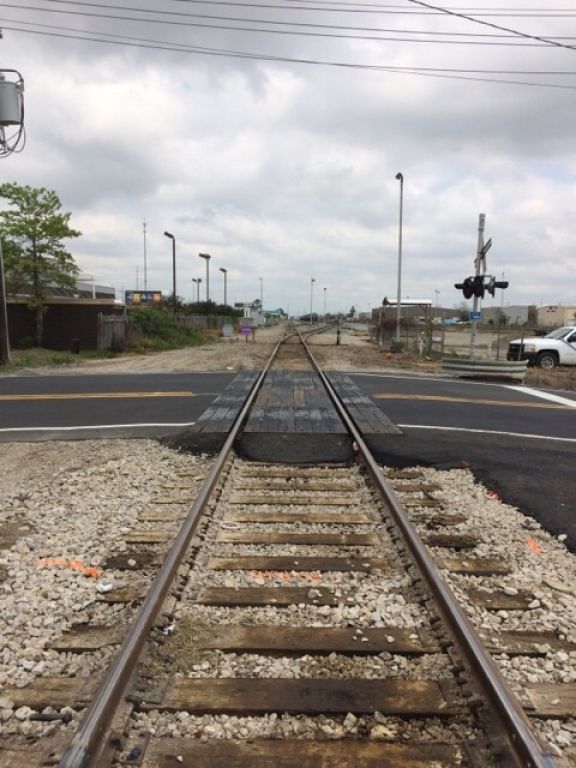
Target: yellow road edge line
444	399
96	395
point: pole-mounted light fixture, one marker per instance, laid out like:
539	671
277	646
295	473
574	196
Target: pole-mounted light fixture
207	257
171	237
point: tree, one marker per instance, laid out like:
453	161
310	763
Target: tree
32	231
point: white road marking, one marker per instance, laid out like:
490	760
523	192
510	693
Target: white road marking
487	432
545	396
95	426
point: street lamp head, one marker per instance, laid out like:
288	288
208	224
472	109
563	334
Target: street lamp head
399	177
312	279
204	256
169	234
223	269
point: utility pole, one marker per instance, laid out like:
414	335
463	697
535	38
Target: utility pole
4	340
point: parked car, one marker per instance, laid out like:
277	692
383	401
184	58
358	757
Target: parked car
556	348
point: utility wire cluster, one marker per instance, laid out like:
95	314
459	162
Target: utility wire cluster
295	23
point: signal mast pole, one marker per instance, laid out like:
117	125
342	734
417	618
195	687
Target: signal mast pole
480	264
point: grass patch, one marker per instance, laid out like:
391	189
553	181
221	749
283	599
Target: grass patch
39	358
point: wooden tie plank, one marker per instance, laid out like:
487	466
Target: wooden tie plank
54	692
157	536
264	471
239	638
342	564
275	596
415	487
127	594
299	753
294	501
497	600
291	485
263	516
159	516
300	539
528	643
312	697
173	500
475	566
404	474
452	540
435	520
415	503
85	638
130	561
551	700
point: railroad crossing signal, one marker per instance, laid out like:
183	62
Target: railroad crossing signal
479	285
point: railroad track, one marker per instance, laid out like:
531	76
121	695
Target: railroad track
299	618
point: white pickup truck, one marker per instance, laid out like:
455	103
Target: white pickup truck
556	348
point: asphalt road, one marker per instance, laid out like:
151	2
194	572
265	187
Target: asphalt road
108	405
519	442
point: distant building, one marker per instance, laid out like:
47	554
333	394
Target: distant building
555	315
511	315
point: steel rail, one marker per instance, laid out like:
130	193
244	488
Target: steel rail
88	741
526	750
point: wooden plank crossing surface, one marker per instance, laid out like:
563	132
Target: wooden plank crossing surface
368	418
221	413
299	753
294	401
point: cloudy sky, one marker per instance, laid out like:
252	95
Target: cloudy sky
254	132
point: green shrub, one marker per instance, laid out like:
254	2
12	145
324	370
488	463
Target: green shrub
155	329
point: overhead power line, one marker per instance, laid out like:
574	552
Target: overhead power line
128	41
350	7
433	36
546	40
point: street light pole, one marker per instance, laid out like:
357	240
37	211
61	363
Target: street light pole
206	257
171	237
225	273
261	294
312	281
399	177
324	306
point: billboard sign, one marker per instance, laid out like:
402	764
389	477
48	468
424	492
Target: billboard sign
142	298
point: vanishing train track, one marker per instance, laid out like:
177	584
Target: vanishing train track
299	618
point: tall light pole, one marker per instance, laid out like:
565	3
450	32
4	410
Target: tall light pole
206	257
171	237
261	294
399	178
225	273
196	281
312	281
324	306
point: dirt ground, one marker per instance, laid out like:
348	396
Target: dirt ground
355	353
